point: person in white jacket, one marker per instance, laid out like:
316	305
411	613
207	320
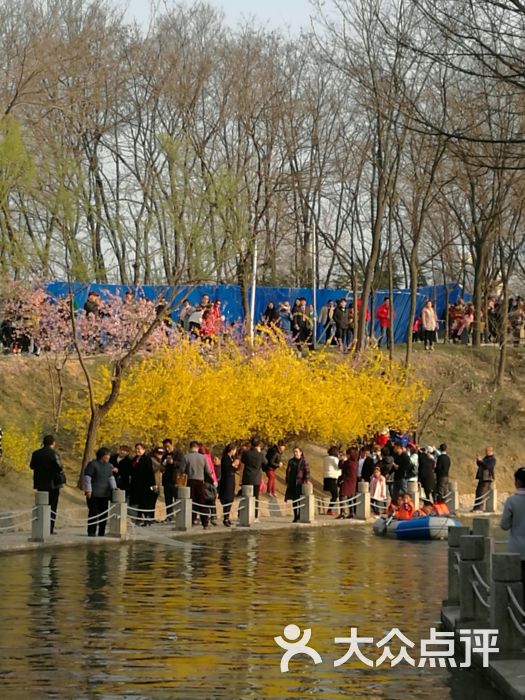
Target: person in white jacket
331	473
513	519
430	323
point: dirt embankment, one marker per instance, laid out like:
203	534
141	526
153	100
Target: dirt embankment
462	410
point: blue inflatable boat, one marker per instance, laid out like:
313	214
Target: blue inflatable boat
429	527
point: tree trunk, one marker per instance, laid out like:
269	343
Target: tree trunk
413	304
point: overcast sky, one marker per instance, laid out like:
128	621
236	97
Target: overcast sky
284	14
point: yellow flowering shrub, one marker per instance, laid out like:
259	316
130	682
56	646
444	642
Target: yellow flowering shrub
218	394
18	446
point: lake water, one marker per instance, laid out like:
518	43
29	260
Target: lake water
196	620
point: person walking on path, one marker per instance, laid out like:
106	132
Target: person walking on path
513	519
48	474
485	476
297	474
429	322
99	482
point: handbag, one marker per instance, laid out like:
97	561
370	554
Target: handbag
210	492
181	479
60	479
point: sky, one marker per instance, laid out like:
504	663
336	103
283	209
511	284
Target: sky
275	14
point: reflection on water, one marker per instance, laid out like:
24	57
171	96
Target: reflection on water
197	620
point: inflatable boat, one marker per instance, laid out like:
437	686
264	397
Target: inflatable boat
429	527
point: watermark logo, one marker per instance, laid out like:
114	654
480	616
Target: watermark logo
437	650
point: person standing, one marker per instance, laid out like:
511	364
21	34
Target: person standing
172	465
442	471
513	519
429	322
401	471
48	474
383	316
142	483
342	325
331	473
273	462
378	492
226	489
297	474
426	473
197	469
348	481
485	476
121	462
99	482
253	461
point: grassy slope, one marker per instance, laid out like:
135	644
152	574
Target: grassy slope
463	410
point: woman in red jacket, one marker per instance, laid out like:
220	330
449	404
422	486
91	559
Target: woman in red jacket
383	316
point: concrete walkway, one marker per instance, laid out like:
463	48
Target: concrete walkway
162	533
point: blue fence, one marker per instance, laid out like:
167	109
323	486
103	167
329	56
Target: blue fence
231	298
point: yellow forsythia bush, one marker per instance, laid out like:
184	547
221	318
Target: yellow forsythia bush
218	394
17	446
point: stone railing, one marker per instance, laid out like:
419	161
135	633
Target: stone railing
484	588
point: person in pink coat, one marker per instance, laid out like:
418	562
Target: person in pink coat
378	492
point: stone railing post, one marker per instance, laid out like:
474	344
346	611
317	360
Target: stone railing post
307	505
506	573
481	527
413	492
471	553
362	510
454	536
183	508
491	505
41	524
247	507
453	500
118	514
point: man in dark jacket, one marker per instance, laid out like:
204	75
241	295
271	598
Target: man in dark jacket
173	464
121	462
401	471
48	474
485	476
442	471
426	474
99	482
253	461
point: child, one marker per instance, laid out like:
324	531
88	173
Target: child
406	510
378	491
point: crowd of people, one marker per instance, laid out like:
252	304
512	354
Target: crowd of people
388	465
336	322
461	318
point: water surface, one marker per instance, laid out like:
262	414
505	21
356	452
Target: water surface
196	620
